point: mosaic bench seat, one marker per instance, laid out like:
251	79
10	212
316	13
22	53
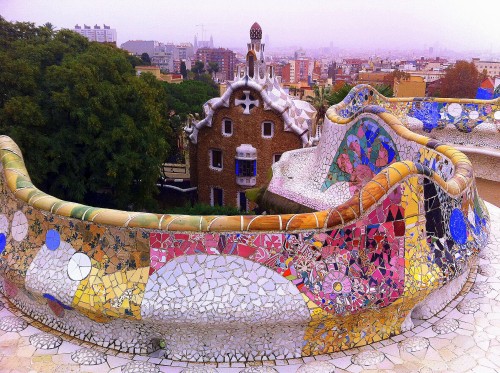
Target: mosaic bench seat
243	288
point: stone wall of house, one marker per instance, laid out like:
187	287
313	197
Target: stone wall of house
247	129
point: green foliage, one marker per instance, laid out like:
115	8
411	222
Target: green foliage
188	97
146	61
385	90
198	68
213	68
182	100
89	128
184	70
320	102
461	80
203	209
134	60
339	94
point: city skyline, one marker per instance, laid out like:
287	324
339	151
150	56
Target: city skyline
366	24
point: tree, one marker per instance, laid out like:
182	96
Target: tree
49	26
198	68
183	70
213	68
483	75
89	128
461	80
395	75
385	90
320	102
182	100
146	61
134	60
339	94
188	97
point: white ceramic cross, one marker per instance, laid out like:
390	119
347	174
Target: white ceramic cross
246	102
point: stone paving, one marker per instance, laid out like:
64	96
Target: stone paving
463	337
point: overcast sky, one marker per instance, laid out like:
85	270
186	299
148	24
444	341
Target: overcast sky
453	24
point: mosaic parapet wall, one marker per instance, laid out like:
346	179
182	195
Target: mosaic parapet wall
433	112
396	191
243	288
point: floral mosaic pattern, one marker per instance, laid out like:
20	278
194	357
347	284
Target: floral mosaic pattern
366	149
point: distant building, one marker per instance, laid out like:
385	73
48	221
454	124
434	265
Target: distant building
155	70
297	70
332	71
203	43
429	76
166	56
225	59
492	67
245	131
278	69
374	78
138	47
413	86
185	51
353	65
98	34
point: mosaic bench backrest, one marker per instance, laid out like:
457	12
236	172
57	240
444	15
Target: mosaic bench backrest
433	112
347	157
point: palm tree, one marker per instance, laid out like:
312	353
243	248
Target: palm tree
47	29
339	94
385	90
213	68
320	101
49	26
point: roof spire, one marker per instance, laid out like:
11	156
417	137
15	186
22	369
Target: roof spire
255	32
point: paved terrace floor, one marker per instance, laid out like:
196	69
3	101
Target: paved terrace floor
464	337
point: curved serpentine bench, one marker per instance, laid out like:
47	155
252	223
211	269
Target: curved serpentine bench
242	288
434	112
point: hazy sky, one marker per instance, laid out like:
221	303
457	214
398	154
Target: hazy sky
453	24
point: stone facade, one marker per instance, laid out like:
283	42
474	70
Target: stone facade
247	129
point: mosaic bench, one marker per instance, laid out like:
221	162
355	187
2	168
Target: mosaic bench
433	112
243	288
